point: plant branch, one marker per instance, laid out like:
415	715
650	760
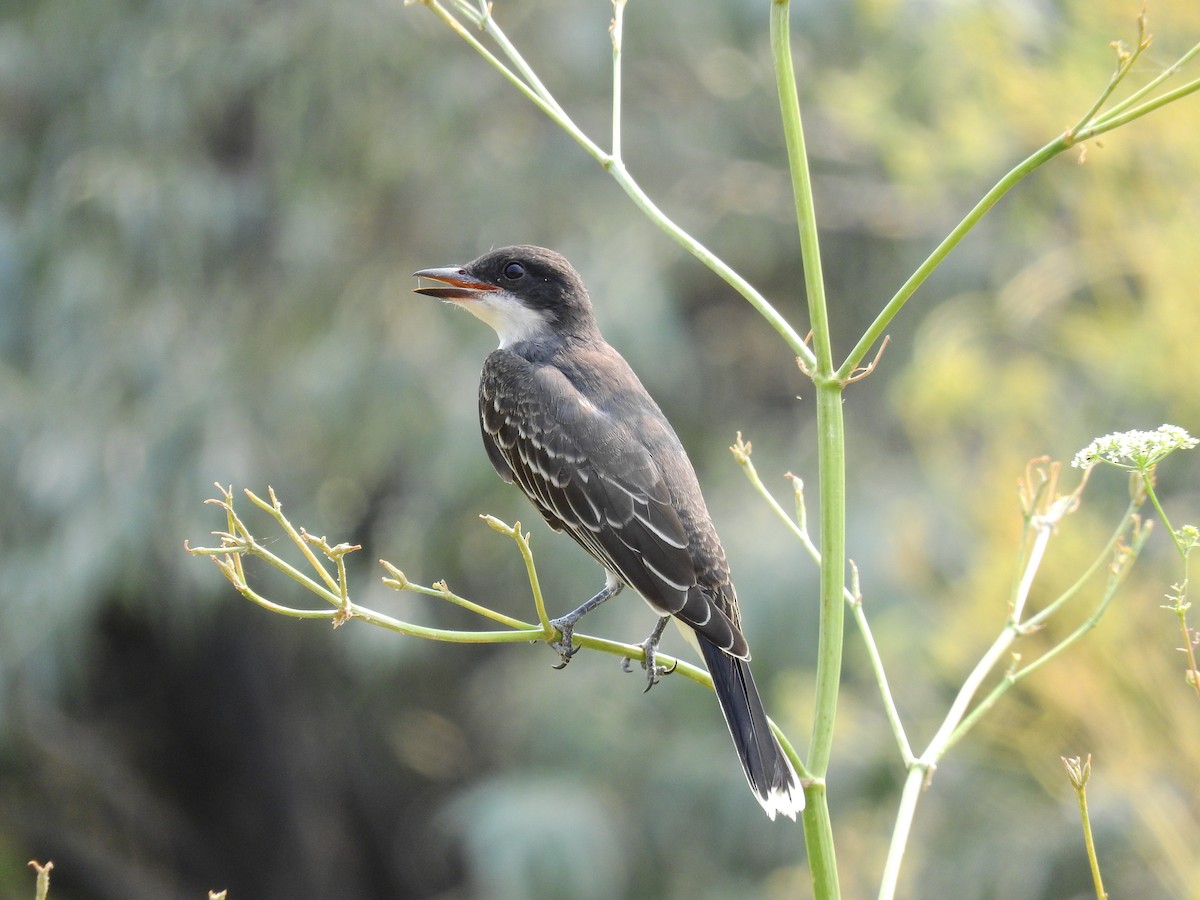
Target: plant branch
832	464
540	96
1147	479
876	329
535	586
616	30
806	216
906	812
877	669
237	542
1154	83
1122	558
43	878
1104	557
1125	61
1091	125
533	89
961	717
853	595
1079	771
714	263
1111	120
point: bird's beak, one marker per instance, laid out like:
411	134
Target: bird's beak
462	285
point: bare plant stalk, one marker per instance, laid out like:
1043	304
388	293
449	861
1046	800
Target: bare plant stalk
1079	771
958	721
328	578
237	543
1091	125
853	595
43	877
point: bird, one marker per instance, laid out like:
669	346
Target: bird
565	418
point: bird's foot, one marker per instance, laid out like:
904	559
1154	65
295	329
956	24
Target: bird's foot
654	672
565	646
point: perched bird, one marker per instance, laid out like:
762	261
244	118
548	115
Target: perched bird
565	418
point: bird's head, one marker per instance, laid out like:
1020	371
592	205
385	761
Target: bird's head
525	293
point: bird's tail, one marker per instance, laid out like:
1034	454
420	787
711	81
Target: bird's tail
770	773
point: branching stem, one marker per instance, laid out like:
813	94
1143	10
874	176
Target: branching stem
330	584
238	542
1090	126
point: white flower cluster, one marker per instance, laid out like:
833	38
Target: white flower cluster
1138	450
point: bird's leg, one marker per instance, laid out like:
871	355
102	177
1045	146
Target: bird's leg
650	647
566	624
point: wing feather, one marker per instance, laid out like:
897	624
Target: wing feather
591	476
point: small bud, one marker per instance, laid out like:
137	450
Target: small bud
1078	770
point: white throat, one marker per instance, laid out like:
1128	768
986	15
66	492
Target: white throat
511	319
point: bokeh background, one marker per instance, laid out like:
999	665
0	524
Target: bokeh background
209	213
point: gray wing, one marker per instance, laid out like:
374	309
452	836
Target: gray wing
593	476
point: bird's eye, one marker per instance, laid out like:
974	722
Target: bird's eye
513	271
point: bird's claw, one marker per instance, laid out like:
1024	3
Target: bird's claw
565	646
654	672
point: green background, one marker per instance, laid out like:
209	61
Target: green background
209	213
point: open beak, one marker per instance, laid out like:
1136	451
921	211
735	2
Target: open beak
462	285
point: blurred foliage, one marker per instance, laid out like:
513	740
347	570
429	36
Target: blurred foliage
208	216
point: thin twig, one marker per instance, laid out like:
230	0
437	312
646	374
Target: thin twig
799	528
1079	771
540	96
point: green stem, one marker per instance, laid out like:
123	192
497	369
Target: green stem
818	831
1118	108
830	425
441	591
536	92
1193	673
760	303
876	660
1104	557
830	428
914	783
1181	609
1043	530
958	721
541	97
492	28
618	25
1089	843
818	841
1179	593
952	240
1118	115
741	452
275	509
1148	486
1012	679
919	769
1113	119
43	878
806	216
1118	568
1125	62
535	584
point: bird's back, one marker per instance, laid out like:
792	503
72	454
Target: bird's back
565	418
574	427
